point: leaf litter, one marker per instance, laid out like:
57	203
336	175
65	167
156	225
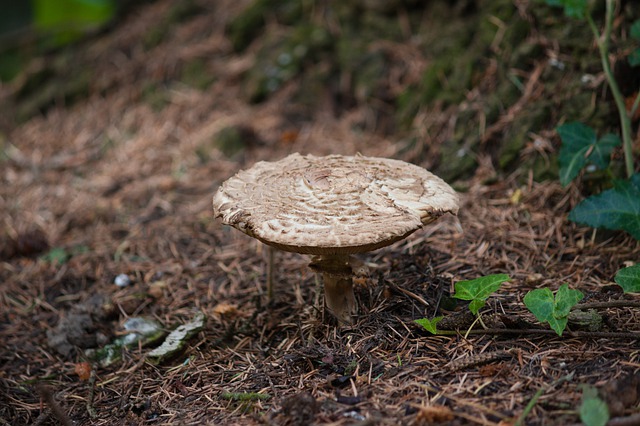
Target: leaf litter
125	181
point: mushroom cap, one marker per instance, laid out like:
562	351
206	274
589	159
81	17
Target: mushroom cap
332	205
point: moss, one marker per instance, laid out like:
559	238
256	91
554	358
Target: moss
371	70
433	80
3	151
154	37
283	58
49	85
544	169
581	107
373	25
156	96
250	23
196	74
230	141
314	85
526	54
12	61
516	135
179	12
457	158
407	105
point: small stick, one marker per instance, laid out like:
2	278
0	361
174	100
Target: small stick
609	304
567	333
38	421
631	420
92	390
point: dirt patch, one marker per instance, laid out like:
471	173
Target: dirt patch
120	182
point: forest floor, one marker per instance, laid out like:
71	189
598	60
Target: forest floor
121	182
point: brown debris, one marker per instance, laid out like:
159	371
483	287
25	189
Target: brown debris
299	409
120	187
478	360
433	414
622	394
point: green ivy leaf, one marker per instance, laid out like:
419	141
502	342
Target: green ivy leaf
634	58
629	279
566	299
577	138
553	310
593	410
429	324
602	149
572	8
558	324
476	305
540	303
617	208
580	146
634	32
479	289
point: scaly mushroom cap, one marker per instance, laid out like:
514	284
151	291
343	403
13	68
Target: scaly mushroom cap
334	204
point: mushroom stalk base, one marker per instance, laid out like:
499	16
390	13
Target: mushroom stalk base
338	294
338	286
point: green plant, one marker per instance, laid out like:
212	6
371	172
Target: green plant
67	20
629	279
553	309
60	255
478	290
617	208
542	303
429	324
593	410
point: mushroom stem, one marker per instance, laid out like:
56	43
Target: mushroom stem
338	295
338	286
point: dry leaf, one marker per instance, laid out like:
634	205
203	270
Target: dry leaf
433	414
83	370
225	309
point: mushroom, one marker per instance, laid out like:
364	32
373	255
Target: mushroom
333	207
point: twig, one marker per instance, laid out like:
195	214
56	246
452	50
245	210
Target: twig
408	293
92	390
40	419
631	420
596	334
609	304
532	403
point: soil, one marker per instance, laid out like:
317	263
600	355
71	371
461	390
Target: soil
116	176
